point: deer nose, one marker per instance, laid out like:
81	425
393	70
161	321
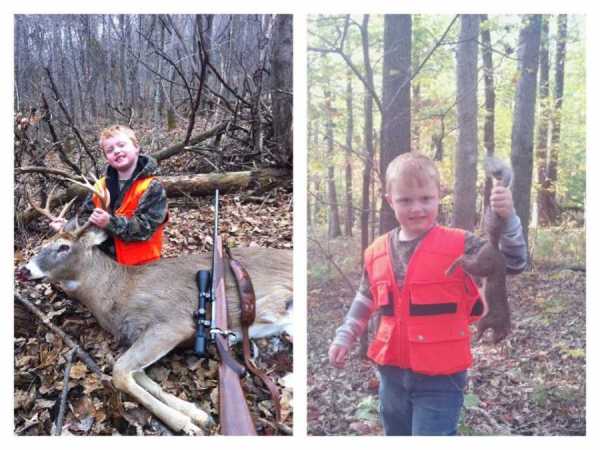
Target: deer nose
23	274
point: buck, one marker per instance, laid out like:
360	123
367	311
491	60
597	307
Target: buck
150	308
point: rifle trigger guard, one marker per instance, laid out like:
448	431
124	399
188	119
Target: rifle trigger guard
225	333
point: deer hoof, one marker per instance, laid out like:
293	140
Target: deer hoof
204	420
189	429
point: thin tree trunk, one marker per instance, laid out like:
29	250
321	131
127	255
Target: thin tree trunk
158	91
490	103
559	80
465	164
544	197
524	115
334	229
368	127
349	219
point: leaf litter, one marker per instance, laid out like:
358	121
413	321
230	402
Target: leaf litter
532	383
40	357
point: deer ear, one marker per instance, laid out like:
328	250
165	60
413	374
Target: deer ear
93	236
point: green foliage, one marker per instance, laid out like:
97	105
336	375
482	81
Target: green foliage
368	409
437	103
564	244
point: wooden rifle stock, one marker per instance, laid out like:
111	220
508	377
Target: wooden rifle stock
234	414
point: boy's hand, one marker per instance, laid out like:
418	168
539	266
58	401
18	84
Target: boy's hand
100	218
337	356
501	201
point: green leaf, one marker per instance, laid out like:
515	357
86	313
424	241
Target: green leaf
471	400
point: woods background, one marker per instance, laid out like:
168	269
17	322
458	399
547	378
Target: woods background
455	88
210	98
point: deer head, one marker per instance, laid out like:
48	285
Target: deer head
60	255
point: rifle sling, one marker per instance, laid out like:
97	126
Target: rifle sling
260	374
248	314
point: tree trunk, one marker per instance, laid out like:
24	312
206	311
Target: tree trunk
368	127
123	22
157	91
490	103
334	229
349	218
524	115
544	197
317	179
281	87
395	122
559	80
465	164
205	184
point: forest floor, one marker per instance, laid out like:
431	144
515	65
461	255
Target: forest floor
532	383
246	220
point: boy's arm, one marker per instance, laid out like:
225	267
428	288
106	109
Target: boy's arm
357	319
150	213
513	245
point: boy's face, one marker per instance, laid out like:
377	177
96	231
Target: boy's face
121	153
415	205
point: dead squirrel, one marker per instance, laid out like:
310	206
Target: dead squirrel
489	262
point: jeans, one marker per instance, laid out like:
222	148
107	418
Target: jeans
412	404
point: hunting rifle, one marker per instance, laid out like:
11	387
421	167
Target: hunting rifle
234	414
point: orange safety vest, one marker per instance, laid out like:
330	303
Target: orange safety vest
135	252
429	329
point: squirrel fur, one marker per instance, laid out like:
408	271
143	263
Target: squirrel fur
489	262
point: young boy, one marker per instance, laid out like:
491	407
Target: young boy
422	346
138	201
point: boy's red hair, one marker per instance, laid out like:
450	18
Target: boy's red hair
118	129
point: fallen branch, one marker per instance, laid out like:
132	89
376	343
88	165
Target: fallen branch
60	419
179	148
87	359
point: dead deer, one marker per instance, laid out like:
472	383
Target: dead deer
150	308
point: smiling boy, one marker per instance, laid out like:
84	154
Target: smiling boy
422	345
138	206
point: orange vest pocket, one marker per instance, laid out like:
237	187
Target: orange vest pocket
379	349
439	348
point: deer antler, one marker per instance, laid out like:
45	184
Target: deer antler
45	211
100	191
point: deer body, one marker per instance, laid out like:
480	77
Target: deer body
150	308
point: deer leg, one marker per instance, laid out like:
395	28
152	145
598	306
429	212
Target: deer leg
147	349
188	408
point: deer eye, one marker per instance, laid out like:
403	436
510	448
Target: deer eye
64	248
